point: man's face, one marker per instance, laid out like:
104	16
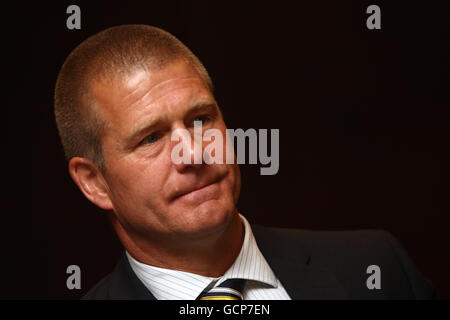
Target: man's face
152	196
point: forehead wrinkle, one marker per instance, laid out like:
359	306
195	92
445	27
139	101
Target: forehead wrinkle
153	117
161	90
135	81
174	106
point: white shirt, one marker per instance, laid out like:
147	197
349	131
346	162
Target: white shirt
262	284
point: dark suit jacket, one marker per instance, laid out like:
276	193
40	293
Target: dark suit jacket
311	265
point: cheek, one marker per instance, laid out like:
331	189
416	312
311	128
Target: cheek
232	183
136	185
237	182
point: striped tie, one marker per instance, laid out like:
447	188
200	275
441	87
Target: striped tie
230	289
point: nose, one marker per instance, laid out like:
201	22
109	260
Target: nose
187	150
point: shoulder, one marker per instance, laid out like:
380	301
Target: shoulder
356	242
312	237
330	247
100	291
348	255
121	284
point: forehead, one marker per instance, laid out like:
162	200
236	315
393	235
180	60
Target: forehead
143	88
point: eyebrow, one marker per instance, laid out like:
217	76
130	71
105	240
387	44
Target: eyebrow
210	106
203	107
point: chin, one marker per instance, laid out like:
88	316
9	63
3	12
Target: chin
209	217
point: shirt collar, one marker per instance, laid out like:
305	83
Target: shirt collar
250	263
174	284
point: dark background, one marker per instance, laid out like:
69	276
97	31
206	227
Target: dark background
363	118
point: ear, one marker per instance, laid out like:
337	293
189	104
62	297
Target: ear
91	182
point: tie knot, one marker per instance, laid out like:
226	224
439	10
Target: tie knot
230	289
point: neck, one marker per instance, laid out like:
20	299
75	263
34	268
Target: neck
211	255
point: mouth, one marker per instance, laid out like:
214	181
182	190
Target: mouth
203	192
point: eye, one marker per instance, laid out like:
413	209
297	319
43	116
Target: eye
202	119
151	138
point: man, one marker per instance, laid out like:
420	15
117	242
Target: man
119	97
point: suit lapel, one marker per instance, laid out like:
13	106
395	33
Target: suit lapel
302	276
125	285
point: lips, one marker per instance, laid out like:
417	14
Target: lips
198	190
